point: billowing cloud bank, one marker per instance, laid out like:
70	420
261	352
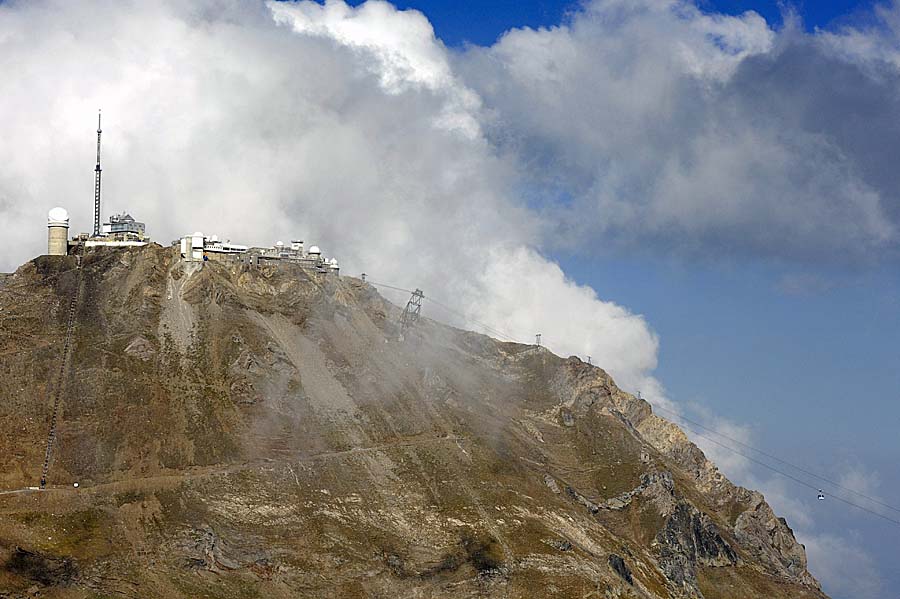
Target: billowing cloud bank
347	127
645	122
703	133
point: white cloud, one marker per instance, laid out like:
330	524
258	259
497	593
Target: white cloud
402	42
532	295
872	42
861	479
401	46
346	126
672	128
708	45
844	566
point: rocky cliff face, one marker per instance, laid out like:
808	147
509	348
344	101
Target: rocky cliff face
263	433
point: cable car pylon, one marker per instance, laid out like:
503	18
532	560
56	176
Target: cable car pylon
411	312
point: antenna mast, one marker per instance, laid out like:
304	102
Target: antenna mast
97	171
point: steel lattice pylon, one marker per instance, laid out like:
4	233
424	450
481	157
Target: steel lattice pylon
412	311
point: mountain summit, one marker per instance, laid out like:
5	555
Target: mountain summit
264	432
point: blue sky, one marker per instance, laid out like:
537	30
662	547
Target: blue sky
459	21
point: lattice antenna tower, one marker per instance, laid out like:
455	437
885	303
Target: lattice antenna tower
97	171
412	311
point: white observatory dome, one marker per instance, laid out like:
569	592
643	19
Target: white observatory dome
315	250
58	216
334	262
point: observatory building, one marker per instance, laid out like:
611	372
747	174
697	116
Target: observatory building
200	248
123	224
121	230
58	232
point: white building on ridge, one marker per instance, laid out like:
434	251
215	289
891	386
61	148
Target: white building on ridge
198	247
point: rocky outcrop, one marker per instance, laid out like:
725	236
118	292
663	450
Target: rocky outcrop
657	486
689	539
690	536
617	563
772	541
41	568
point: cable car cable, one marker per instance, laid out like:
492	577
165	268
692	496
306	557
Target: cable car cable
779	460
722	445
795	479
490	329
486	327
371	282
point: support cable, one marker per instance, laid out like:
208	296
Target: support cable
794	478
692	425
503	336
500	334
779	460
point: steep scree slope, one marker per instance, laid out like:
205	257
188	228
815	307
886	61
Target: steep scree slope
264	433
